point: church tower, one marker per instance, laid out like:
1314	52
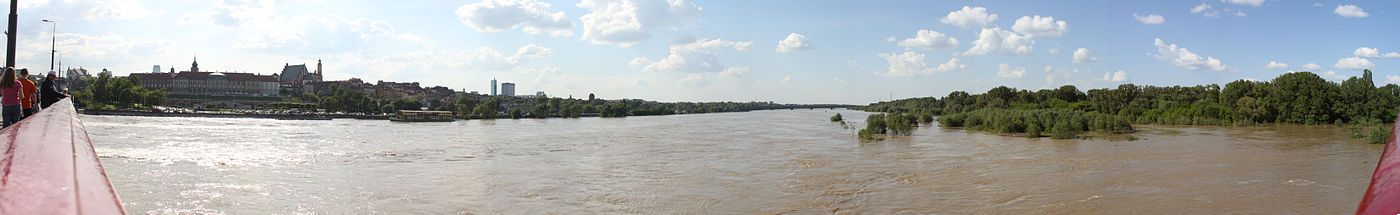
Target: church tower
194	67
319	76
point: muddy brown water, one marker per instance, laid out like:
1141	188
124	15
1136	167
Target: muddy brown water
763	162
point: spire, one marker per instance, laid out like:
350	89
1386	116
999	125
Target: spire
194	67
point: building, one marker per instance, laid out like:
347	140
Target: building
508	89
389	89
298	74
353	84
539	94
155	68
493	86
297	78
195	88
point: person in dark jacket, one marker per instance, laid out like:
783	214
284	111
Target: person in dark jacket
49	92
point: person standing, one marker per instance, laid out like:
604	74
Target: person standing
49	93
27	103
10	95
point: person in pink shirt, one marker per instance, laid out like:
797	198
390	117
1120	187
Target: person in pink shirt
10	96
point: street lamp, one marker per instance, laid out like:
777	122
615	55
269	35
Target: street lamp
53	47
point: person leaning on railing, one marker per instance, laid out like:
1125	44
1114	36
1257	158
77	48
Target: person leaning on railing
10	95
49	92
27	103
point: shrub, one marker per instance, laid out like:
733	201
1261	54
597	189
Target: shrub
1068	123
900	123
836	118
951	120
1379	134
1064	130
925	117
875	123
1033	130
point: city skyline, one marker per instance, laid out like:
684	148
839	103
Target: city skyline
785	51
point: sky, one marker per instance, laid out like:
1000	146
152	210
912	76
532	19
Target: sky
786	51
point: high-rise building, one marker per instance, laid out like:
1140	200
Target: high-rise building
493	87
508	89
155	68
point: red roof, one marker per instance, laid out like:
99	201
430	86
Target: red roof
232	76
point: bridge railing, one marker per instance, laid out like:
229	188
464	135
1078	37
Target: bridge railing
1383	195
49	167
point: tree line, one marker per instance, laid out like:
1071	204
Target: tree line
108	92
1297	97
494	107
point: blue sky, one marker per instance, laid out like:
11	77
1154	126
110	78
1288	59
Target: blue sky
684	50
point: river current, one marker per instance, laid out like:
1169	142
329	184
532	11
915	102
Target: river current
784	161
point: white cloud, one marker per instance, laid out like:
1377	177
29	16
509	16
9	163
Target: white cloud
92	10
1251	3
992	39
786	79
1118	76
1393	79
732	72
1039	26
1205	10
743	46
1353	63
693	80
531	16
794	42
1334	75
1367	52
928	39
1081	55
905	64
952	65
1181	57
1010	72
427	63
1351	11
1311	66
1240	14
103	46
235	13
699	56
969	17
1150	19
638	61
321	35
1200	8
627	22
1276	65
910	63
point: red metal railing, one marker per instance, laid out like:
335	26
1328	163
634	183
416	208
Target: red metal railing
1383	196
49	167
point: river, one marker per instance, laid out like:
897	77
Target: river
786	161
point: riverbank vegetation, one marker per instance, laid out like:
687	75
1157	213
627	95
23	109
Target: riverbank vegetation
106	92
1297	97
880	126
492	107
1059	124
